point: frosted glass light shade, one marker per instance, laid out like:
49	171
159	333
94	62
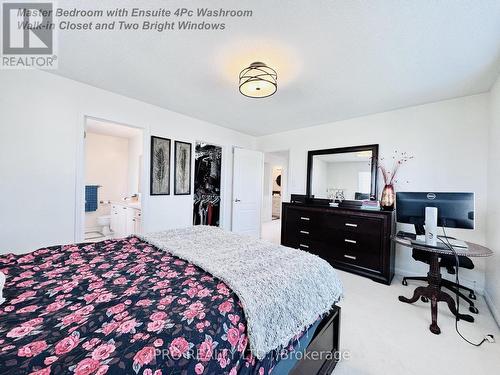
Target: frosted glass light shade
258	81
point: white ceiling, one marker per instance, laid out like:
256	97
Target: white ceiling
335	59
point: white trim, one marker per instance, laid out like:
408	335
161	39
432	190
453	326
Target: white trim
285	192
494	311
144	178
79	231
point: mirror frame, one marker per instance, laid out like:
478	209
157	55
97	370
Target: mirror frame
342	150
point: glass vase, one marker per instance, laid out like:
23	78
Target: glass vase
388	198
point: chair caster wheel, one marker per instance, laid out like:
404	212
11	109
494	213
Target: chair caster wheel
473	310
472	296
424	299
405	283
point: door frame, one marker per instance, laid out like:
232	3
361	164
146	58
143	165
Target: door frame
79	220
286	181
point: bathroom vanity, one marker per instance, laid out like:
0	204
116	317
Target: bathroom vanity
125	219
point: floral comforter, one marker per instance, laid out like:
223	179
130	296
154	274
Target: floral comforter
119	307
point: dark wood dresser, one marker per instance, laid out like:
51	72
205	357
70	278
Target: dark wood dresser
353	240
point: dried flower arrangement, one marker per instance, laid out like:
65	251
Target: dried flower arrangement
398	159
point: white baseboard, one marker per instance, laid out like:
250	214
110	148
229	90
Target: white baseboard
465	282
492	307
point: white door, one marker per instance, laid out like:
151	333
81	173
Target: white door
248	174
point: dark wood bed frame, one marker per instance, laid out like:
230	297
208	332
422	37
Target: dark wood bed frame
325	341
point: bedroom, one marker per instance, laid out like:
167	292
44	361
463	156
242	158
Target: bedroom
418	77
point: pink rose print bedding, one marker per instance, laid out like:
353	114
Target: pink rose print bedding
119	307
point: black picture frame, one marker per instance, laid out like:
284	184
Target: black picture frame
177	165
341	150
153	175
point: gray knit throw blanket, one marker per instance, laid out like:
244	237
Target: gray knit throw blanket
282	290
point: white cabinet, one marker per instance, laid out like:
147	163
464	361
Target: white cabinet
138	221
125	220
115	220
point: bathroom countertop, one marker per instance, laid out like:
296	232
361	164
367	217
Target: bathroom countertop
136	205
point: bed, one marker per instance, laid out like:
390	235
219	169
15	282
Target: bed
144	305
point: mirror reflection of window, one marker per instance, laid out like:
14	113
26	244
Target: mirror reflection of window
347	174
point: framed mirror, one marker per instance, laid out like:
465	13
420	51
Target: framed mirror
346	173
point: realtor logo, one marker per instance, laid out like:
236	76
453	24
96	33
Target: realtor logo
28	35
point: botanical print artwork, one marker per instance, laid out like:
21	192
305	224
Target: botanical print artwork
207	184
160	166
120	307
182	183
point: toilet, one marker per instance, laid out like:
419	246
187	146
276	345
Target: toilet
104	222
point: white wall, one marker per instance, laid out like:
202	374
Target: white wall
106	165
135	155
345	175
448	141
319	179
41	134
493	234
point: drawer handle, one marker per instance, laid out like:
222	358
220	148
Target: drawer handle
350	257
351	225
304	246
304	218
350	241
304	232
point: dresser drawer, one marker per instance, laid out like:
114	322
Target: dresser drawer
370	242
355	224
308	233
311	246
362	260
303	218
355	254
361	249
304	225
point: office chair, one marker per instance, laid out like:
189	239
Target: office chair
448	262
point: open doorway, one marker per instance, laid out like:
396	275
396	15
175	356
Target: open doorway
274	193
113	158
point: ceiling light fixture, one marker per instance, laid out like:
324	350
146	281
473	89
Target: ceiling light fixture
258	80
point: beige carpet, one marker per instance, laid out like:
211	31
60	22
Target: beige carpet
271	231
385	336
